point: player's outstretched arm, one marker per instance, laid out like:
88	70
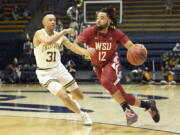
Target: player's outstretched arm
48	41
77	49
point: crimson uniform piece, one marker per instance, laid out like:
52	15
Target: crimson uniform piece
105	60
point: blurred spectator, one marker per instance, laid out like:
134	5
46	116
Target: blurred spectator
28	73
59	26
13	73
177	47
168	6
71	67
168	76
137	75
28	47
3	17
75	14
26	13
27	50
79	2
16	12
178	64
176	70
1	13
147	77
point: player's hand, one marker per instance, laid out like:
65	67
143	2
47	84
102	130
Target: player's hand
70	31
141	45
90	51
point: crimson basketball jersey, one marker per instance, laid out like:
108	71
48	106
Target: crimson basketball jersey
104	44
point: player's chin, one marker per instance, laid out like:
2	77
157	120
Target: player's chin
99	28
53	26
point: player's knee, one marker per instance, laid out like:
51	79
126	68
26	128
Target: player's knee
54	87
65	97
75	91
108	85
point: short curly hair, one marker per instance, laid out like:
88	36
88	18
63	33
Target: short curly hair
46	13
111	13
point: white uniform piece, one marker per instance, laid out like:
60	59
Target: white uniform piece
51	73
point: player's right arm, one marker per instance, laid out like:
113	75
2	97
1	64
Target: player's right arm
78	42
77	49
40	37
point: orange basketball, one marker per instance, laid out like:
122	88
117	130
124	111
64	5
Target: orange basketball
137	55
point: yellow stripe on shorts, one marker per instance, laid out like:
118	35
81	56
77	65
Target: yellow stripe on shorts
43	68
69	84
49	81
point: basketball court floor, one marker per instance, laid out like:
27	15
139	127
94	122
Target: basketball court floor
32	110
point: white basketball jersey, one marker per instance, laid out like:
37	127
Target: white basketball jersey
48	56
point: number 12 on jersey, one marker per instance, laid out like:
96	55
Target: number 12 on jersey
102	56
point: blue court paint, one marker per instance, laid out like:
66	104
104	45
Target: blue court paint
142	97
36	108
10	97
44	91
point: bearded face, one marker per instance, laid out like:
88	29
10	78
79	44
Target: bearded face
102	21
101	27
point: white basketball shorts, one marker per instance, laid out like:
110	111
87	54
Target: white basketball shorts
56	78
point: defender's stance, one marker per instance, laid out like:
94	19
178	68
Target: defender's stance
51	72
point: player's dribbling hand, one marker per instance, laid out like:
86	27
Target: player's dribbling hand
141	45
90	51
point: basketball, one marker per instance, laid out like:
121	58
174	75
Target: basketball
137	55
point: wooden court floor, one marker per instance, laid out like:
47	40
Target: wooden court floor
32	110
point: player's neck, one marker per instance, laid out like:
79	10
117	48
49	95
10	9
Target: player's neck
49	31
104	31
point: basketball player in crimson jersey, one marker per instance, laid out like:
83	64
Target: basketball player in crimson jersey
104	37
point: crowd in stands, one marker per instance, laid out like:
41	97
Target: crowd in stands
16	12
20	12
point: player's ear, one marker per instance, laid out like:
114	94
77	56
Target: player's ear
109	21
43	22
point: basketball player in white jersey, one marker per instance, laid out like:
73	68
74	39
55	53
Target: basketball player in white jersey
51	73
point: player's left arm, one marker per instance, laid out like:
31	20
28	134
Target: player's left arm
124	39
76	48
129	44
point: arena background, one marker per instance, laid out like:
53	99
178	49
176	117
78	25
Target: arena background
148	23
